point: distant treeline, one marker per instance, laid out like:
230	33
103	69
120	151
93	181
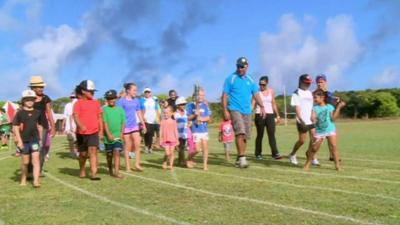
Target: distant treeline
360	104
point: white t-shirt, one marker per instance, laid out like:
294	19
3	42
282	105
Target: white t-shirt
303	99
150	110
70	125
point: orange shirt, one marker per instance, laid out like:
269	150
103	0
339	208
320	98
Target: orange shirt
88	112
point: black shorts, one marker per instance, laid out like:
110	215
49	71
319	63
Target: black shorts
84	141
304	129
182	142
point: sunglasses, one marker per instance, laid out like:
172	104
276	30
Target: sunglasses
241	66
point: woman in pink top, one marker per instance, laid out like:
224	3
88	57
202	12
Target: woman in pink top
169	137
268	98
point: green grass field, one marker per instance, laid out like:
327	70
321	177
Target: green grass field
269	192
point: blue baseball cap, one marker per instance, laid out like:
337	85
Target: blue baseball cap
319	77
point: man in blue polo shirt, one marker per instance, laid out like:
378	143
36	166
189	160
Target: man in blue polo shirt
239	89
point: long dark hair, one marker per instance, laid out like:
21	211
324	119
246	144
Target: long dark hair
264	78
128	86
322	93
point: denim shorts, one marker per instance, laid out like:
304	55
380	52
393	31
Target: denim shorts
115	146
30	147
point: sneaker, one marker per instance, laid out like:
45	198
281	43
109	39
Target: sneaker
132	155
150	150
259	157
293	159
243	162
277	157
315	162
146	150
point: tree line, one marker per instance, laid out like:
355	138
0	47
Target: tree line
360	104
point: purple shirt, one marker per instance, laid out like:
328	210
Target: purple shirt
131	108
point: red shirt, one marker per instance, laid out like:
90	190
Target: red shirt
88	112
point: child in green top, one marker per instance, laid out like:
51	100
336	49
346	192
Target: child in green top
5	128
324	116
114	124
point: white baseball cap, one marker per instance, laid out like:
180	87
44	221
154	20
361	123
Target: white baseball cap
146	90
87	85
28	94
180	100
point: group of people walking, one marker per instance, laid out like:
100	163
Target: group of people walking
179	125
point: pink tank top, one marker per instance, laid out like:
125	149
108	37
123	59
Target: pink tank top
267	102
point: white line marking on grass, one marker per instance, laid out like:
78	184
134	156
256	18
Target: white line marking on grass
300	171
373	160
10	156
343	158
5	158
329	175
286	207
119	204
290	184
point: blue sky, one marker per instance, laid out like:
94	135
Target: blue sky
174	44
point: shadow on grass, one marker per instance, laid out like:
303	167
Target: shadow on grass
16	176
65	155
75	171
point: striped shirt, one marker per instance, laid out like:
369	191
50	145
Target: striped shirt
182	122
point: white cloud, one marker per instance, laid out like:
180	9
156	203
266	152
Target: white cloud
46	55
390	77
294	51
32	11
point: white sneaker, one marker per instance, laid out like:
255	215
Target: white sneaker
293	159
146	150
315	162
243	162
150	150
132	155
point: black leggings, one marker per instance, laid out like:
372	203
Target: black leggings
269	123
148	136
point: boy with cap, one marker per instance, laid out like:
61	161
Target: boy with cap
28	133
114	125
302	100
87	116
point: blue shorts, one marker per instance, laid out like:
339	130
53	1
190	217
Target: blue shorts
30	147
115	146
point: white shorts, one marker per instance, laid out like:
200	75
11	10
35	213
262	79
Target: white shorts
227	146
324	135
198	137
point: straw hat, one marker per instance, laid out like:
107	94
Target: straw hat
36	81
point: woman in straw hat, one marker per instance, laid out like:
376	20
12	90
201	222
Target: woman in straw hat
43	104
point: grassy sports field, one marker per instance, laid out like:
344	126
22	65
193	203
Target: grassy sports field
269	192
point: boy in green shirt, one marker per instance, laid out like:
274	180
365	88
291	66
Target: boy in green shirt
114	124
